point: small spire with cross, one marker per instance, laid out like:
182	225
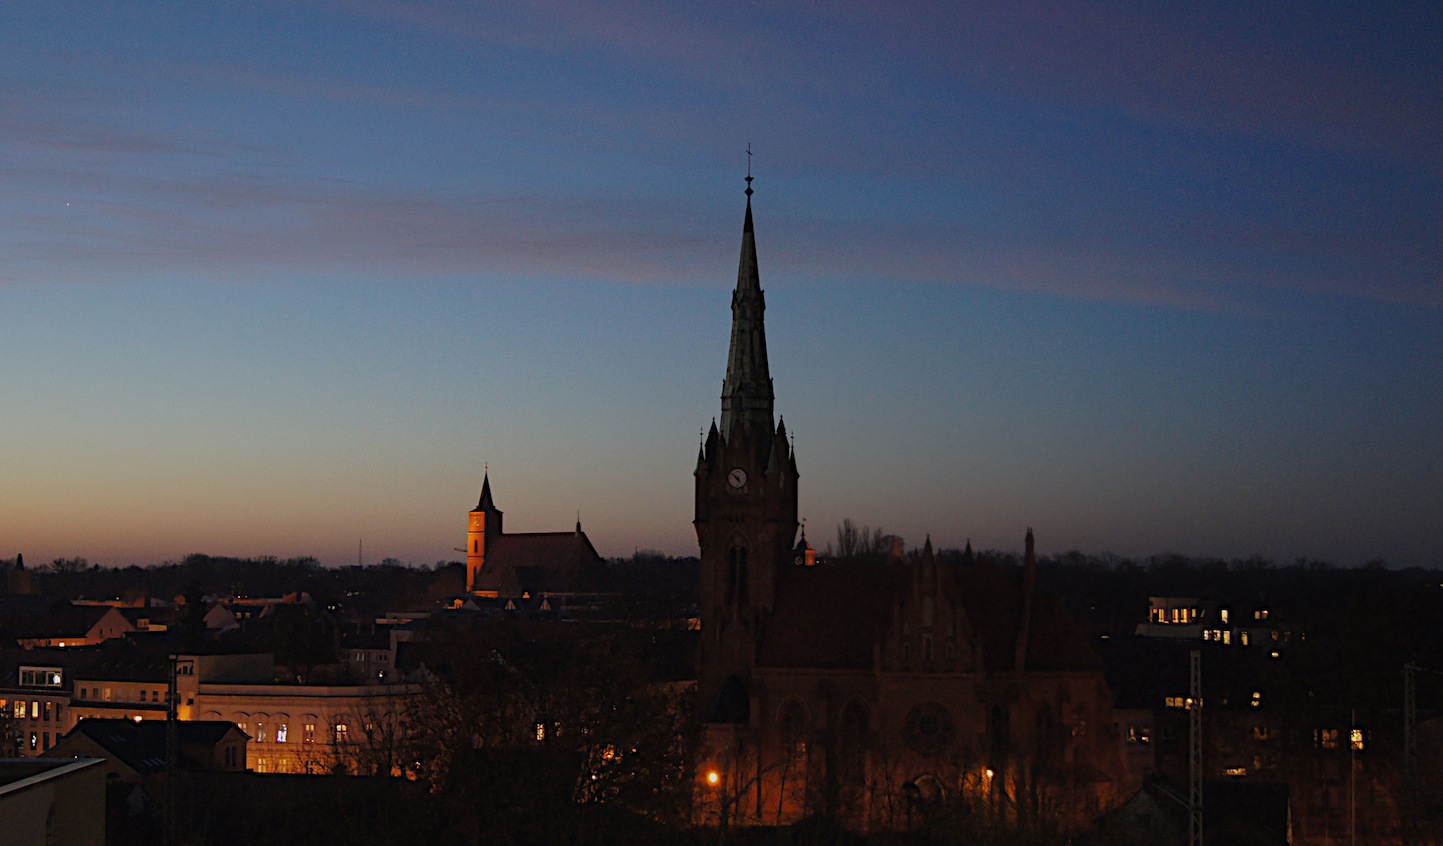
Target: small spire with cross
749	170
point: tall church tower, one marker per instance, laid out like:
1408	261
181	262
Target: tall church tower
483	521
746	501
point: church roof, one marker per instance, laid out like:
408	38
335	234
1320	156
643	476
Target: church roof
830	616
541	562
836	616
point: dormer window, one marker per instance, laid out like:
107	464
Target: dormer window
40	676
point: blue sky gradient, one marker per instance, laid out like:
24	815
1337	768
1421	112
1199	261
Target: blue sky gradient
276	277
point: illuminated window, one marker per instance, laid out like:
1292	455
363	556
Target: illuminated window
49	711
342	731
1243	637
1227	637
1223	615
540	731
35	709
1257	701
1355	739
281	732
34	741
1236	772
262	736
39	677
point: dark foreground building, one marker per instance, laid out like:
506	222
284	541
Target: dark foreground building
881	694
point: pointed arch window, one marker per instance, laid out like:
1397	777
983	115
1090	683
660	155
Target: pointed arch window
999	731
738	582
1045	736
795	728
854	728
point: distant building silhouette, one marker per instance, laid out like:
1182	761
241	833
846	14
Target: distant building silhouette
881	694
530	564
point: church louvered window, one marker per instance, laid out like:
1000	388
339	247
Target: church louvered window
737	582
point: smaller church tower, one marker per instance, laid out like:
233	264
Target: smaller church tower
483	521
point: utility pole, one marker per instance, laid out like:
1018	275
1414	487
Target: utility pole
1194	748
172	751
1352	778
1410	756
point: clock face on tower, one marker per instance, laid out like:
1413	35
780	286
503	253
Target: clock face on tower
476	521
737	477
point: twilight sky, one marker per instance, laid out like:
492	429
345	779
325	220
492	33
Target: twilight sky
279	277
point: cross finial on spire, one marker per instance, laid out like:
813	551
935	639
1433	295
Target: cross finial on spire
749	171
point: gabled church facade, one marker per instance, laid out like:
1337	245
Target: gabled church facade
882	695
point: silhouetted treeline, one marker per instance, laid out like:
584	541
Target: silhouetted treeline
366	590
648	582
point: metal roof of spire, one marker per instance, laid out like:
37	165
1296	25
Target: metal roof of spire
747	390
485	503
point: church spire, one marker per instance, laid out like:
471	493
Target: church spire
486	504
747	391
